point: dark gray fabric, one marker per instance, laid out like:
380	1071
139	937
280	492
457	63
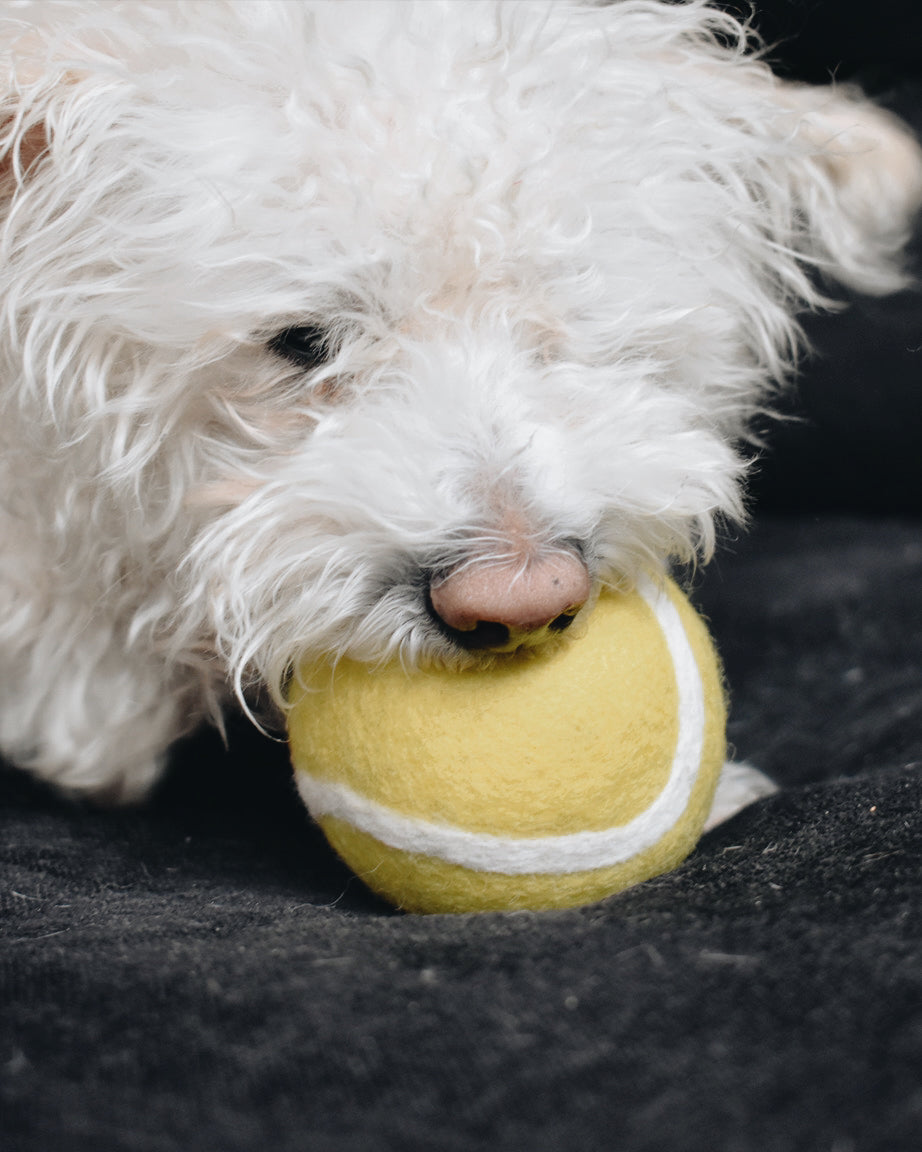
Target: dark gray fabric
819	40
203	974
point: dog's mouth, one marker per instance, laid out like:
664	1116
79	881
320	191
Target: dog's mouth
489	636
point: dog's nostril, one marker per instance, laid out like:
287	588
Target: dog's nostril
562	622
484	635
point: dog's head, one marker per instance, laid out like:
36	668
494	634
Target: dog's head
399	327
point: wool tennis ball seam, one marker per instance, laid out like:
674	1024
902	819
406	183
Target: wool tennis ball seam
373	751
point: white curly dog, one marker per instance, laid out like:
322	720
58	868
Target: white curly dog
382	328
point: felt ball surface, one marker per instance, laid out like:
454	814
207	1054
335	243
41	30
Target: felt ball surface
546	780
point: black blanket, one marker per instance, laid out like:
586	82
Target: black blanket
202	974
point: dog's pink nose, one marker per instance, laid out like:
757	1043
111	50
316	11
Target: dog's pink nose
506	605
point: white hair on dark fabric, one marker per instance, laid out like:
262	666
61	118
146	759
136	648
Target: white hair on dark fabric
554	255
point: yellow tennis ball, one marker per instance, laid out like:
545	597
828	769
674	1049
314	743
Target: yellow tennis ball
544	781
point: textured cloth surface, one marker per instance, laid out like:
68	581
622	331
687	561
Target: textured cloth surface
204	974
814	40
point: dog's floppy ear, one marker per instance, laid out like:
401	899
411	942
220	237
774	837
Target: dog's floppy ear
856	173
20	148
23	133
835	180
41	66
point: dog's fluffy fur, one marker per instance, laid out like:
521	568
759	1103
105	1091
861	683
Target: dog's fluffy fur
301	303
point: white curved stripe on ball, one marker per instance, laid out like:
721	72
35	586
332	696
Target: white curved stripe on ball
573	852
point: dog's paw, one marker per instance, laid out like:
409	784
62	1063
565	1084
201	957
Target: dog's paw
110	778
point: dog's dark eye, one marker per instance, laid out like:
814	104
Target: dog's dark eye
305	345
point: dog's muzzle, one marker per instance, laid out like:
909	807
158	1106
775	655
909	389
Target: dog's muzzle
498	607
